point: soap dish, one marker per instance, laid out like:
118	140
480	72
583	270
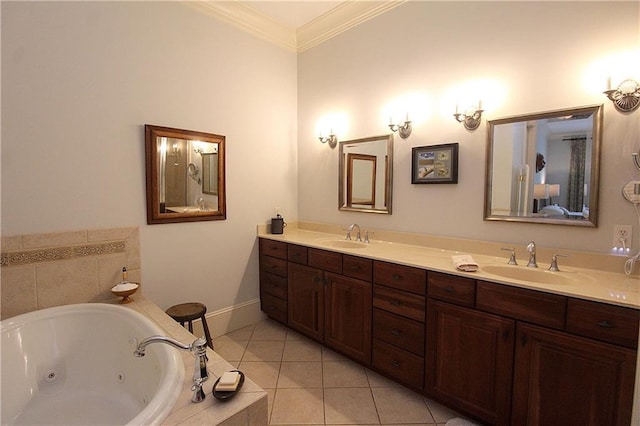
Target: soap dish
227	395
124	290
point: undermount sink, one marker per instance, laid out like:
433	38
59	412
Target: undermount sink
347	244
534	275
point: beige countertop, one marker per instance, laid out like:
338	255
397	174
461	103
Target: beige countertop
590	276
248	407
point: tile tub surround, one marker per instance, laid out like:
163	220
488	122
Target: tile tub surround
608	283
249	407
45	270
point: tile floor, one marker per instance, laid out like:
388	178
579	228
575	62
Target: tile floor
310	384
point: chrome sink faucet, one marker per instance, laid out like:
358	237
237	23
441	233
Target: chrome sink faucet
198	348
354	225
531	248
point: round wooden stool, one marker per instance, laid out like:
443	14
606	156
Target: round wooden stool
187	312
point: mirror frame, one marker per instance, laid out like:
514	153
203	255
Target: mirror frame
152	161
592	221
388	180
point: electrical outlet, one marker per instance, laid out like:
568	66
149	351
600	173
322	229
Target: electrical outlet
625	232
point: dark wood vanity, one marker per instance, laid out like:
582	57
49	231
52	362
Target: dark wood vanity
501	354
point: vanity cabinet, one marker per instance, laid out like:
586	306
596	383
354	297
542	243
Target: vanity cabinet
398	325
502	354
330	307
469	362
569	380
274	279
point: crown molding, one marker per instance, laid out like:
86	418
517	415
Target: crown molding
347	15
249	20
339	19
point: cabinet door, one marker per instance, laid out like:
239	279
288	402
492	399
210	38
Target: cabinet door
347	316
469	361
568	380
306	300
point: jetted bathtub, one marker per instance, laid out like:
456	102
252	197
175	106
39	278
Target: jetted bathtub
74	365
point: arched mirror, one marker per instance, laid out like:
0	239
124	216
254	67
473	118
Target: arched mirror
365	174
544	167
185	175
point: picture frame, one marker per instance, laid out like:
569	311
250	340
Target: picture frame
434	164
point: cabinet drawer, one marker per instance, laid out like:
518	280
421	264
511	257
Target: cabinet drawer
357	267
401	277
458	290
297	254
275	308
273	266
273	248
402	365
325	260
274	285
399	331
521	304
399	302
613	324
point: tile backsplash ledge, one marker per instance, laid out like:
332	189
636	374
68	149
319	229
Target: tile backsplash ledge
44	270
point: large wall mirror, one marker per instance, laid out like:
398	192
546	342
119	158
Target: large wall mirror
185	175
544	167
365	174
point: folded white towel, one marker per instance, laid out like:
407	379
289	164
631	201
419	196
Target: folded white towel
464	262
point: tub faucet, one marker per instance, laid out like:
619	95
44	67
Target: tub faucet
198	348
354	225
531	248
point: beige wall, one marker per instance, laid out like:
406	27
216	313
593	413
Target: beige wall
540	53
80	80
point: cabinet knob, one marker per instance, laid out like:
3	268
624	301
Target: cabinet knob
395	302
449	289
395	363
396	332
396	277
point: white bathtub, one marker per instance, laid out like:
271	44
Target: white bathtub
74	365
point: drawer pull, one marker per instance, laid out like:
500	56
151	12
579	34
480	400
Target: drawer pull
605	324
449	289
395	302
396	332
396	277
395	363
354	268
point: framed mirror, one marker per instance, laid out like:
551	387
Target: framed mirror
185	175
365	175
544	167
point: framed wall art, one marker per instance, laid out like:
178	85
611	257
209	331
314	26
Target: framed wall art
435	163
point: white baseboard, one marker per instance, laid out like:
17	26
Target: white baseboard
234	317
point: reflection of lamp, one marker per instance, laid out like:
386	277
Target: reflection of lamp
554	191
471	118
540	192
404	130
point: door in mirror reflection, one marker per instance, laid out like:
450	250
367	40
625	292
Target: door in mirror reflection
365	174
185	175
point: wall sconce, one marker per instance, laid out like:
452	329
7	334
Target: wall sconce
471	118
403	129
331	139
626	97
